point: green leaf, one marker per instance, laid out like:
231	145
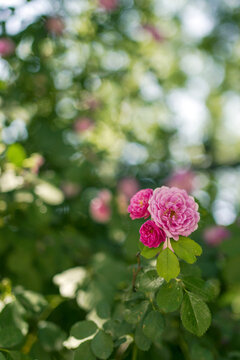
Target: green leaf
2	357
16	154
195	314
103	310
153	326
102	345
207	290
117	328
149	280
168	265
13	328
83	329
149	253
84	352
187	249
169	296
141	340
134	313
51	336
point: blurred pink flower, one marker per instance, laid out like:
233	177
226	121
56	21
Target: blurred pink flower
128	186
105	195
138	207
174	211
7	47
108	5
38	162
83	124
215	235
55	25
70	189
151	235
154	32
183	179
99	210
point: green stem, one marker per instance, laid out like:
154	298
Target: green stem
135	352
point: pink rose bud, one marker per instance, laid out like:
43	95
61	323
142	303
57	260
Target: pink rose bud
55	25
138	207
183	179
215	235
7	47
108	5
99	210
174	211
83	124
128	186
154	32
151	235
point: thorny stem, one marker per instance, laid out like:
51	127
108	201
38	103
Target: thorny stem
135	272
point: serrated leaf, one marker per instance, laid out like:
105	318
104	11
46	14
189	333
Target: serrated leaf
169	296
187	249
168	265
102	345
207	290
153	326
84	352
83	329
149	280
142	341
149	253
134	313
195	314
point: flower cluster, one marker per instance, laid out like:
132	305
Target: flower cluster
173	213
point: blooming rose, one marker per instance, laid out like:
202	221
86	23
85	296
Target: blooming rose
183	179
151	235
214	235
138	207
174	211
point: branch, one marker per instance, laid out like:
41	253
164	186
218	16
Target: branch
135	272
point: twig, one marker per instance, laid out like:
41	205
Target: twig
135	272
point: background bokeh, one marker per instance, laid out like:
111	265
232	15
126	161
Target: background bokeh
97	100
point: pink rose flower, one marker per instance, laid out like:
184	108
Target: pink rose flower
83	124
138	207
55	25
7	47
128	186
108	5
174	211
151	235
105	195
183	179
99	210
215	235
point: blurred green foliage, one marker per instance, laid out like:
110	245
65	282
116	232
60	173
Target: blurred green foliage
90	96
